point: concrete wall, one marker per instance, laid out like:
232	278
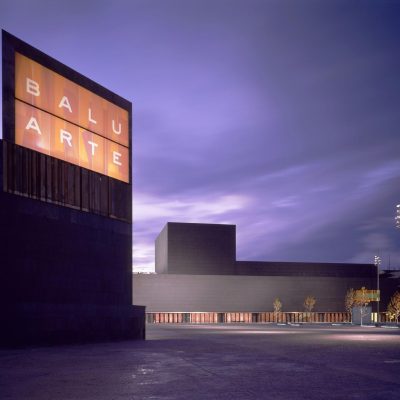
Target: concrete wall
210	249
199	248
54	254
305	269
219	293
161	253
66	275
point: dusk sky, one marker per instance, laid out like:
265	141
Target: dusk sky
281	117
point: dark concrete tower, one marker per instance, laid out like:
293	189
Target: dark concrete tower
196	249
65	230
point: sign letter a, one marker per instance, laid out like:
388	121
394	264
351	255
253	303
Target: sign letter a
65	103
33	124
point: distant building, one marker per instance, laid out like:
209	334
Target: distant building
197	270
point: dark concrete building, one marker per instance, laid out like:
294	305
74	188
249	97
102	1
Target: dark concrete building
196	249
65	232
197	270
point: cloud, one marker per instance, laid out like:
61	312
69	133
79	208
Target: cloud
147	207
143	256
381	174
286	202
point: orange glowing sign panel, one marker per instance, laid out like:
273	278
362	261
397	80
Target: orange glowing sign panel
58	117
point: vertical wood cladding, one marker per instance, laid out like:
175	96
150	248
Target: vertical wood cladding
38	176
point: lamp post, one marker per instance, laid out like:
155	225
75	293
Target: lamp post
377	262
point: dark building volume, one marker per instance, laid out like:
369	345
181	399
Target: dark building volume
197	270
65	237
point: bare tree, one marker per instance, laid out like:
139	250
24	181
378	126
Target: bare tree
349	302
394	306
361	300
277	307
309	303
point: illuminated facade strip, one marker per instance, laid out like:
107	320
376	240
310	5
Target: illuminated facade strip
60	118
42	132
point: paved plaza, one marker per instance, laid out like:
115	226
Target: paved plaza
255	361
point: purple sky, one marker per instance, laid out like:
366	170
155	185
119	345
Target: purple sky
281	117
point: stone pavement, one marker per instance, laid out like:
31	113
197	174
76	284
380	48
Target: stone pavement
256	361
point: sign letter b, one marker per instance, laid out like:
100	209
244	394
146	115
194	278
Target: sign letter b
32	87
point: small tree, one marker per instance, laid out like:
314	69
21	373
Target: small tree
349	302
277	307
361	300
394	306
309	303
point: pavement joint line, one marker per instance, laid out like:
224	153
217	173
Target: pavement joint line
200	367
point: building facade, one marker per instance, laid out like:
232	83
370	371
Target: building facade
197	270
65	215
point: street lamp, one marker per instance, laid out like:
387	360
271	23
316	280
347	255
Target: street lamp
377	262
397	218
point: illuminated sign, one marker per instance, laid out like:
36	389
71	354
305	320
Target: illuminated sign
58	117
365	295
